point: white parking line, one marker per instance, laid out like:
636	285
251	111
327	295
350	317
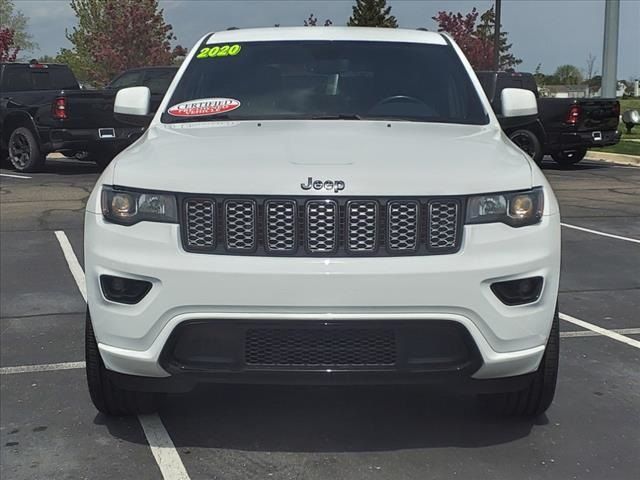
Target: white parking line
48	367
589	333
158	438
596	232
600	330
13	176
162	448
72	261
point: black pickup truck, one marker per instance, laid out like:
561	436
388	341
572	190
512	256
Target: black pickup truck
43	110
565	127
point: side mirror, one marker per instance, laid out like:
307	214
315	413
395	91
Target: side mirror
517	102
133	101
132	106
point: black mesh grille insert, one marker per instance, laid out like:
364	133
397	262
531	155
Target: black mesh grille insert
326	347
324	227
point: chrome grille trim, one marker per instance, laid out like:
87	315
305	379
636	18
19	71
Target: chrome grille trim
443	224
281	226
362	226
402	226
201	221
322	226
240	225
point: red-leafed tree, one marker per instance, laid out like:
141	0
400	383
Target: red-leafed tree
8	49
115	35
476	40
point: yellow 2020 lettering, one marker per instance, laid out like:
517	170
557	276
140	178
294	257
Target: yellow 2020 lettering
219	51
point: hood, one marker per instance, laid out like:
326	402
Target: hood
369	157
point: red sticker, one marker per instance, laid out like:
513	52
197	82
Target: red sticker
203	107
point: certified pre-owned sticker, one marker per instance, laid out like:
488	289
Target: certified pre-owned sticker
203	107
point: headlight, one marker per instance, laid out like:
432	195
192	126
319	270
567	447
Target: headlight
514	208
128	207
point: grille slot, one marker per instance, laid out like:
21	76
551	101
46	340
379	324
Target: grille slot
322	226
326	347
281	225
240	225
402	236
201	221
362	226
443	224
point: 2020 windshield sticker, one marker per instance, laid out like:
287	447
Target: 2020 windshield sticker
203	107
219	51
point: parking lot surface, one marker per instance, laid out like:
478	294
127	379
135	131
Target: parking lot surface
50	430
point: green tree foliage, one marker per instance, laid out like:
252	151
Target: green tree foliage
14	20
568	75
115	35
372	13
486	31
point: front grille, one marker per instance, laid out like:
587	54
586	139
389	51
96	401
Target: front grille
362	226
322	227
240	229
326	347
303	226
200	223
442	224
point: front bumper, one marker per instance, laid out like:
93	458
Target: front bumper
187	287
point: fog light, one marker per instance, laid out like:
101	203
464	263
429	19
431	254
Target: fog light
124	290
518	292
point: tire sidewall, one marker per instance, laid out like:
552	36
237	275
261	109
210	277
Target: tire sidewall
533	139
36	159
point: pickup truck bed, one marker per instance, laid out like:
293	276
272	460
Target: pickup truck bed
565	127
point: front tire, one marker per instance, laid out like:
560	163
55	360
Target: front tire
24	151
538	396
528	143
566	158
107	397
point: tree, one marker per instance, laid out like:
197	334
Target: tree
14	21
8	49
115	35
486	31
590	70
312	21
476	41
568	75
372	13
462	28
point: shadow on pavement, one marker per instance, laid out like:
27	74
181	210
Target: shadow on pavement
332	419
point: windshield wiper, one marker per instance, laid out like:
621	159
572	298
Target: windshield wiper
339	116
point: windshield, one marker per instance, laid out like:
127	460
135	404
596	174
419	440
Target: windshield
325	80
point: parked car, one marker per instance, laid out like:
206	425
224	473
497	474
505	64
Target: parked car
565	128
332	205
44	110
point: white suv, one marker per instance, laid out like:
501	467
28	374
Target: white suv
323	205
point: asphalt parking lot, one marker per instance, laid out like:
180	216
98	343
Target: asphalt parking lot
50	430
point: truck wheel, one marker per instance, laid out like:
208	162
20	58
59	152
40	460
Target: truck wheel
537	397
24	151
105	395
528	143
567	158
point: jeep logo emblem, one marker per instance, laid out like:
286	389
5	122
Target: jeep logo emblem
335	185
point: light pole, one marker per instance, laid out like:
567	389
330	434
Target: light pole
610	49
496	38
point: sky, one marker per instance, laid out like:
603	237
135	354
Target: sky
546	32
